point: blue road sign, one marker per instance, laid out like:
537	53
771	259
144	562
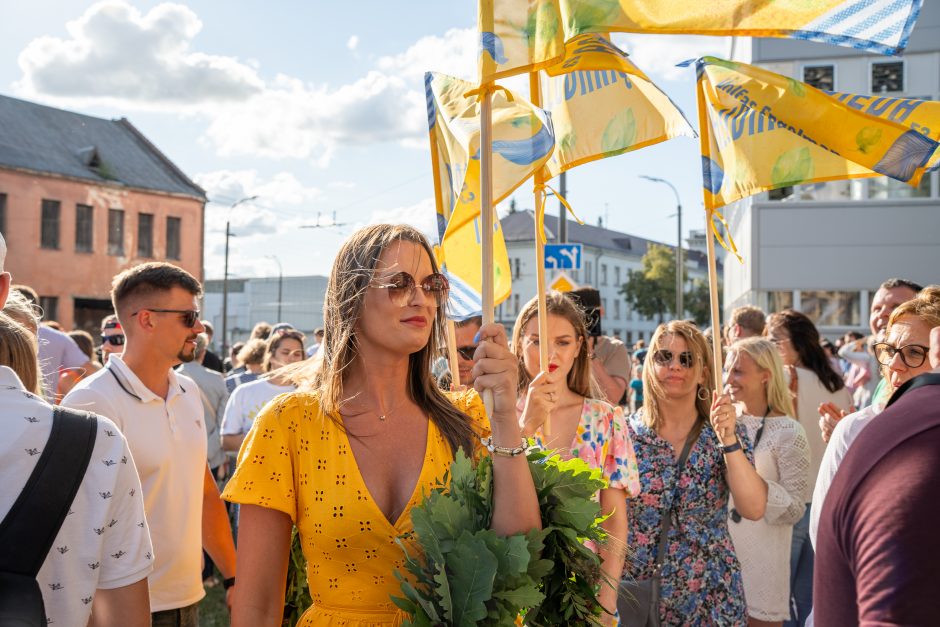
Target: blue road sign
563	256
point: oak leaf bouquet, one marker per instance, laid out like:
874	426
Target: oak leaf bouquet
468	575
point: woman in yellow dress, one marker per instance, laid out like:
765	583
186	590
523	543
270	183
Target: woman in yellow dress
365	437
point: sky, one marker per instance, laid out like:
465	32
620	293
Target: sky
317	108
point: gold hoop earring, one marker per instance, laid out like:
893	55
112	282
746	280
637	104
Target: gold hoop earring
702	393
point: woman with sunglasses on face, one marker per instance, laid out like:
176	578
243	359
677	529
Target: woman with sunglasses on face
813	382
582	425
365	437
903	356
755	381
688	470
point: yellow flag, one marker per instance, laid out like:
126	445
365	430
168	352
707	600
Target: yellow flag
762	131
518	36
522	142
875	25
602	105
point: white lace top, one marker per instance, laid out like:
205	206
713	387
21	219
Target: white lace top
782	458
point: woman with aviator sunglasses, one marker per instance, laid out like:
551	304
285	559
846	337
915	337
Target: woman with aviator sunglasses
679	524
367	434
903	356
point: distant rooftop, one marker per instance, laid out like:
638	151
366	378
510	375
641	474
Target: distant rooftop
49	140
520	227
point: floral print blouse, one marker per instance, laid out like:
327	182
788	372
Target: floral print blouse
701	575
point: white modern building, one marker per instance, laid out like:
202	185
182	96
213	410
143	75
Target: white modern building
825	248
607	257
251	301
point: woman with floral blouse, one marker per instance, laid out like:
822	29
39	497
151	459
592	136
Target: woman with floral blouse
700	574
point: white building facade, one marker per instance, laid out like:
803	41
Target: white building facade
606	259
824	249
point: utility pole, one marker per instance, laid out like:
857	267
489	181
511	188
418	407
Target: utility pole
280	285
228	234
680	309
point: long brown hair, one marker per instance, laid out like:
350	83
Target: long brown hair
18	351
804	338
702	368
580	379
352	271
274	341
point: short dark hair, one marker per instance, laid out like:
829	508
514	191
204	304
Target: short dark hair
895	283
149	278
477	320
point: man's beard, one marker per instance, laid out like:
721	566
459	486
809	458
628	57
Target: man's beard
186	358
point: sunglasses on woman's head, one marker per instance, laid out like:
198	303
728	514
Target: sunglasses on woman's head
664	358
401	287
113	340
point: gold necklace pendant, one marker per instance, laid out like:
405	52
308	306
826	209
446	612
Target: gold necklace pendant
382	417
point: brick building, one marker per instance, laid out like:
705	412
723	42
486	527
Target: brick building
82	198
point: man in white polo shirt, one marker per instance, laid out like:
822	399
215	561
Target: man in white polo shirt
160	413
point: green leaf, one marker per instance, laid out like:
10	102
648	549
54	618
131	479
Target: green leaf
472	570
620	132
792	167
523	596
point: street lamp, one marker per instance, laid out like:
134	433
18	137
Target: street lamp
680	310
280	284
228	233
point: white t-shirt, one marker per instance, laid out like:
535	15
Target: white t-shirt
104	542
168	440
57	351
811	393
246	402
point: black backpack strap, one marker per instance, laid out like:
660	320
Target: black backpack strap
666	522
29	529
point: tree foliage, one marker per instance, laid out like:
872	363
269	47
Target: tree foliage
651	291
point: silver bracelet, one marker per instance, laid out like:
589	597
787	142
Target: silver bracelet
504	451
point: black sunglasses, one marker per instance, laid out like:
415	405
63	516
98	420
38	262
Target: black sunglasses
190	316
466	352
401	287
664	358
913	355
113	340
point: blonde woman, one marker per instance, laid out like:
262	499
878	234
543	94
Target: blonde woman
367	434
755	381
699	573
583	426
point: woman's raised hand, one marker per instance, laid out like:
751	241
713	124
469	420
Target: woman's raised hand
724	419
497	369
541	398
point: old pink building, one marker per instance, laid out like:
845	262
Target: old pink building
82	198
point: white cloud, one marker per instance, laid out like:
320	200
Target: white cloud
455	53
421	215
353	42
228	186
657	55
117	54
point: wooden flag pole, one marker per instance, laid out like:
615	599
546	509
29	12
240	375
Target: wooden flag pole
452	354
713	297
535	97
487	217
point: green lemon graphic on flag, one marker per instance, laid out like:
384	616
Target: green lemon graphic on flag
796	88
868	138
542	24
587	16
568	141
620	132
792	167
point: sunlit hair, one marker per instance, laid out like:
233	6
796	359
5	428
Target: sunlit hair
252	352
804	337
353	270
580	379
702	369
18	351
274	341
767	358
925	306
23	311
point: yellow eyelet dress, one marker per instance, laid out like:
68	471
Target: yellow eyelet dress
298	461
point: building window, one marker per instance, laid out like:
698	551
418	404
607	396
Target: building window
588	275
629	341
516	303
603	306
616	275
174	227
49	231
882	188
574	276
84	228
518	268
50	307
820	76
831	309
3	213
778	301
145	235
116	232
603	274
887	77
617	309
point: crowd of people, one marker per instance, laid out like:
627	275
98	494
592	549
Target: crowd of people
736	502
